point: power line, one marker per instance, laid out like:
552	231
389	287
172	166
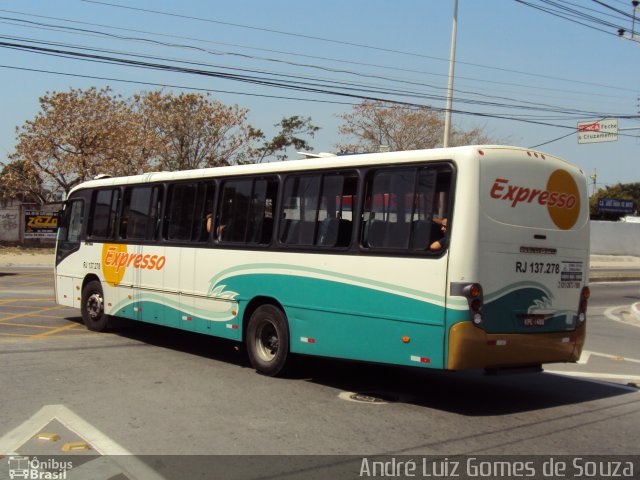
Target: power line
77	31
169	85
300	86
334	70
292	81
339	42
564	11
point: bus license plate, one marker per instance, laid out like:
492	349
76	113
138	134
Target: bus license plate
533	321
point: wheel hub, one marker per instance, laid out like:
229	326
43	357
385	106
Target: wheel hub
267	342
94	306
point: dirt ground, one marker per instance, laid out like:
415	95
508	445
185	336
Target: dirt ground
26	256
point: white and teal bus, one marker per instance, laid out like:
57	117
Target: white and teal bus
467	257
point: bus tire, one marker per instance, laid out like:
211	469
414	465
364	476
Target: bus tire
92	307
267	340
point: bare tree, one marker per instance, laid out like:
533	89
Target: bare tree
373	124
75	136
194	131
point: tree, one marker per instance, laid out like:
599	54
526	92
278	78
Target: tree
291	129
77	135
19	180
621	191
373	124
194	131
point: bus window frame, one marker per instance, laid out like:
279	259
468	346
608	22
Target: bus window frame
439	166
361	174
64	248
270	179
345	173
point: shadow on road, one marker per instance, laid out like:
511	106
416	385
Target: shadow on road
470	393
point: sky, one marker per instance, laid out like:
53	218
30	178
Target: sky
526	76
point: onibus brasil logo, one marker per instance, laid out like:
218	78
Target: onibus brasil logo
561	197
33	469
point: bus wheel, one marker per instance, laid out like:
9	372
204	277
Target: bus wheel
93	307
268	340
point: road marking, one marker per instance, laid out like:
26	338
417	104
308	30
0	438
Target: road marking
584	358
120	459
13	300
17	437
56	330
30	314
28	325
29	284
593	377
609	314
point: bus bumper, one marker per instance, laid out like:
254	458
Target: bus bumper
472	347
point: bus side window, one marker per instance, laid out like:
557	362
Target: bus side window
102	216
318	209
70	230
76	218
245	212
181	211
141	213
404	208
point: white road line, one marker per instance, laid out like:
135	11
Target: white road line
609	314
584	358
593	377
23	433
130	465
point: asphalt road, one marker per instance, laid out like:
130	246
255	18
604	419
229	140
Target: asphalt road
150	390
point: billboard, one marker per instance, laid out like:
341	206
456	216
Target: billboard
40	224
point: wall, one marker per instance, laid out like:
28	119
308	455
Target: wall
28	224
10	224
615	238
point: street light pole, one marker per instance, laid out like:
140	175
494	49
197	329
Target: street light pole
452	61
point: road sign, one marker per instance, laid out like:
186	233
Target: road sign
599	131
615	205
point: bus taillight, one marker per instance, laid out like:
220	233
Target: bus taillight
473	292
585	293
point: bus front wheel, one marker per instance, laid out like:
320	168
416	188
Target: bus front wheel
92	307
268	340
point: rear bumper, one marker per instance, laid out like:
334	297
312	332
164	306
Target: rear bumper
472	347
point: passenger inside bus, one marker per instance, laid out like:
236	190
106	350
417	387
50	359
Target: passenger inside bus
219	229
440	242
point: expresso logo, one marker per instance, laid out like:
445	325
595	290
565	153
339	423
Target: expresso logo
116	260
561	197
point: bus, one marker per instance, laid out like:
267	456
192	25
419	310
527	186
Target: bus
470	257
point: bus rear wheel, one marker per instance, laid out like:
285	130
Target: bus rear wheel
267	340
92	307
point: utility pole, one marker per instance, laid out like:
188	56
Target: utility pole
452	61
622	32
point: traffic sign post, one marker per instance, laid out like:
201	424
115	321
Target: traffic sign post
599	131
